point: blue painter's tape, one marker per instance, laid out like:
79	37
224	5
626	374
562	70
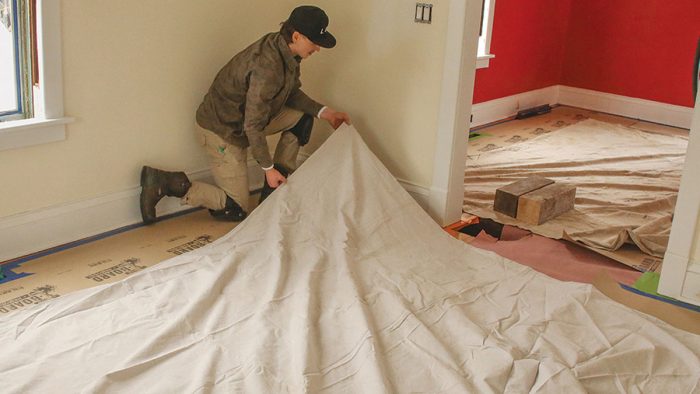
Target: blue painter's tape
9	266
664	299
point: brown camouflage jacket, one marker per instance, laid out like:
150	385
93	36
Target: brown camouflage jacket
250	90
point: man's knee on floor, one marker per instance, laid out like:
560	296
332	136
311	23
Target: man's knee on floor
232	211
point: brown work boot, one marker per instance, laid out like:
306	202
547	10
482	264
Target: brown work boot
156	184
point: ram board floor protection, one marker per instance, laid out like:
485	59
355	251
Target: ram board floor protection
105	260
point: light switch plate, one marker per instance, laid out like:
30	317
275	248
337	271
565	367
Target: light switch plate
424	13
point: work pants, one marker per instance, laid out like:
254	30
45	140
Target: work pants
229	163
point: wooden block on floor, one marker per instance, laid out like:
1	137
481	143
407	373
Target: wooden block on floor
506	200
543	204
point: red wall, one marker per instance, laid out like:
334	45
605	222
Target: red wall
625	47
528	41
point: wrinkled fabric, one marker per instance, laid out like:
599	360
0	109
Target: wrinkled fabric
340	283
626	183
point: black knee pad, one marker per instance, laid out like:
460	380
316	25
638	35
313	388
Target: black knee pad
232	212
302	130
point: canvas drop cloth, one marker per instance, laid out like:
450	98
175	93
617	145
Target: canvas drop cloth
627	181
340	283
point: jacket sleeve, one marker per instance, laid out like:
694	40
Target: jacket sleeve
257	113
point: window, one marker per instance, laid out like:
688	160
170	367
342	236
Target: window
16	70
31	85
488	7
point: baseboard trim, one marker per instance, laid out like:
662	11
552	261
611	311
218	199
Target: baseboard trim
506	107
671	281
647	110
651	111
42	229
38	230
437	206
691	288
419	193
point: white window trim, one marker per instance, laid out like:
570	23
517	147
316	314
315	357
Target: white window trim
483	60
484	54
48	124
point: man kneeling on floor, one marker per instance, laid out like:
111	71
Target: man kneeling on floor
255	95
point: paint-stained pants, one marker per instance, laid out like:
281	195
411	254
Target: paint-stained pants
229	163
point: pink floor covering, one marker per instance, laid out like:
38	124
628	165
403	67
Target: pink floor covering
557	258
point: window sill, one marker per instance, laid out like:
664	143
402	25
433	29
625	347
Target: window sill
21	133
482	61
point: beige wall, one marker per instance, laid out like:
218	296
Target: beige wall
386	72
135	71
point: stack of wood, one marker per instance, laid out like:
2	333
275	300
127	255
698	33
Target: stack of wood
534	200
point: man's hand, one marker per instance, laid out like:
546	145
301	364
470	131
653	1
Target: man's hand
334	117
274	178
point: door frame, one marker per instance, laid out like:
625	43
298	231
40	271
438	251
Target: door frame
455	107
457	88
678	258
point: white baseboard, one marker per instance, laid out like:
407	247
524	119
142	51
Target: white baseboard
34	231
503	108
419	193
437	205
678	283
691	288
41	229
651	111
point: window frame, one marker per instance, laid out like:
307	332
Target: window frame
484	54
22	50
48	123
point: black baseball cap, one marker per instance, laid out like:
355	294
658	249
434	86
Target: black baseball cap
312	21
